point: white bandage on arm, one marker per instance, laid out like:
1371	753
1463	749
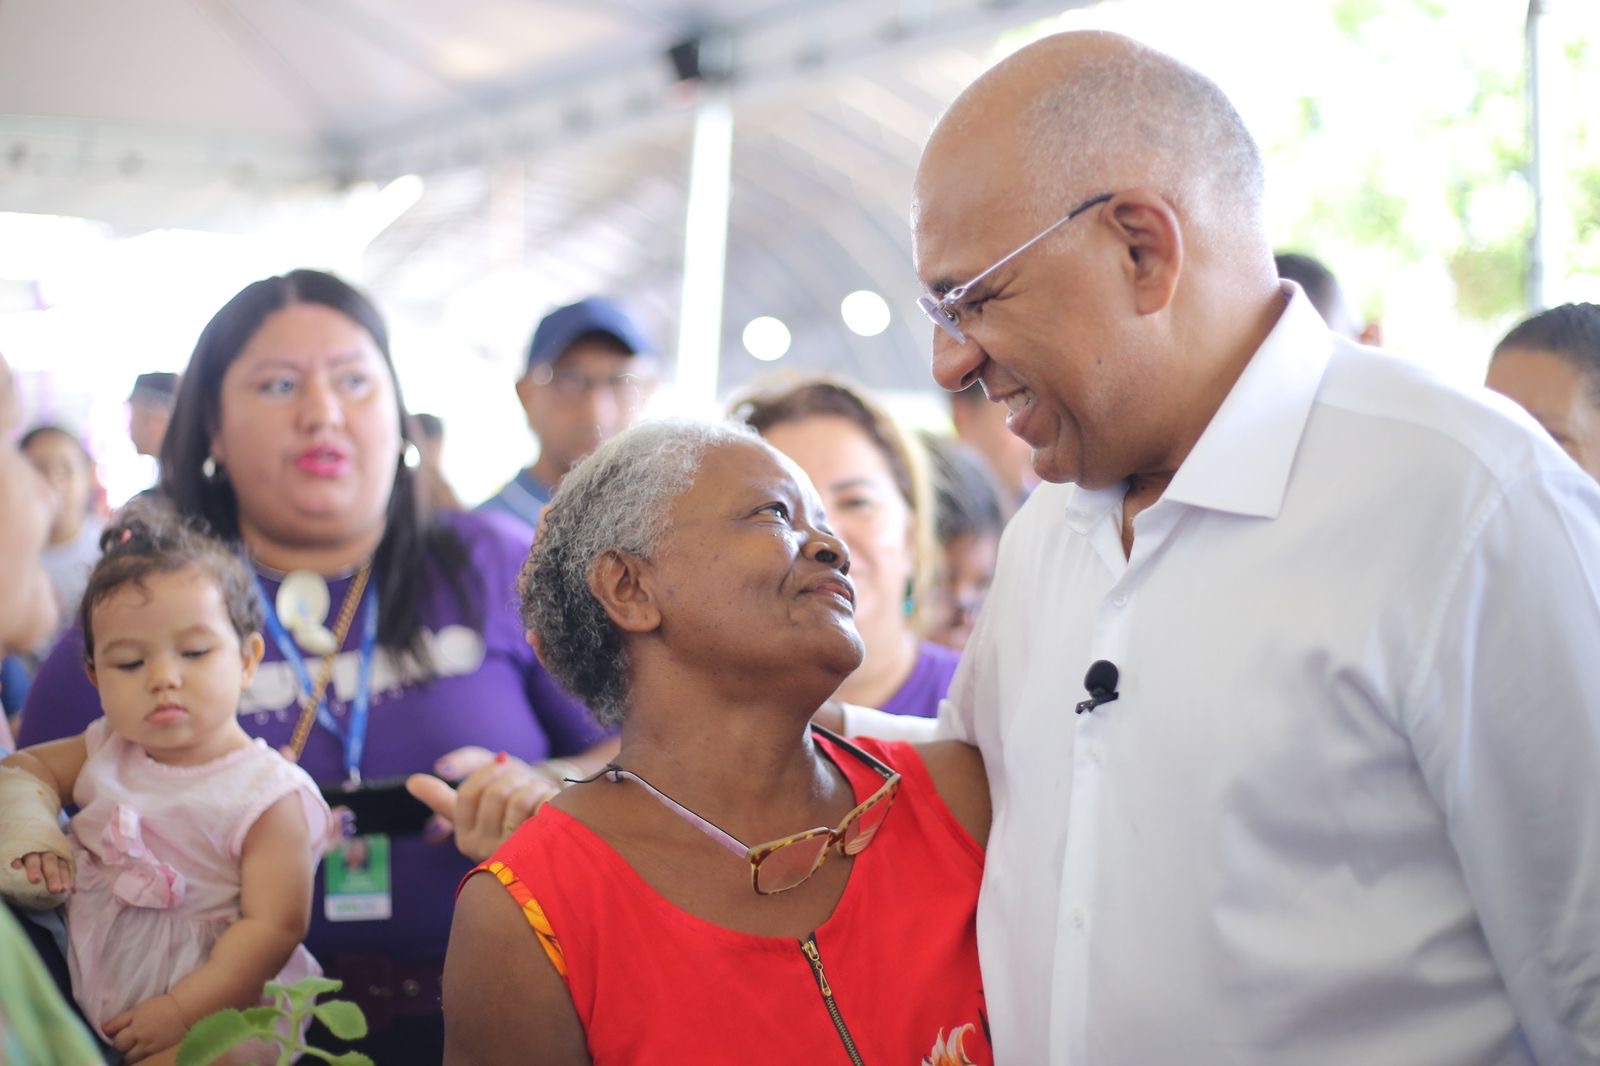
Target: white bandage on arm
868	722
29	822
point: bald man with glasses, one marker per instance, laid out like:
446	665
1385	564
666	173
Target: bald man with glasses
1334	795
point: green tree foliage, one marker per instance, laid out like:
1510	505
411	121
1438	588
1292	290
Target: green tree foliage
1397	145
1427	163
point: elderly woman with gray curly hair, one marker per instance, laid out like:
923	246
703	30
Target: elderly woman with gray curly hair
739	885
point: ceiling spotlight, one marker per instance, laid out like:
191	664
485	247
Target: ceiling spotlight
766	338
865	312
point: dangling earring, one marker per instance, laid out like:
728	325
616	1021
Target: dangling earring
208	469
411	455
909	606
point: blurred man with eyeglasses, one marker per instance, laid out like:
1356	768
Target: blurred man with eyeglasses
1338	798
589	372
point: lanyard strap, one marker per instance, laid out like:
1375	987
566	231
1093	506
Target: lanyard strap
313	706
355	734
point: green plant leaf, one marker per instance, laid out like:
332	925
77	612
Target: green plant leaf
263	1019
305	991
210	1037
315	986
278	993
343	1018
349	1058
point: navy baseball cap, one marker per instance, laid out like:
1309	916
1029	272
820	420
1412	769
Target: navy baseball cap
596	314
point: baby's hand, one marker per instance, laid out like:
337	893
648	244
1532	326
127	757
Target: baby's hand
48	867
148	1027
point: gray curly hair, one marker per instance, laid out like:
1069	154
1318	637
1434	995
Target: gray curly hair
617	499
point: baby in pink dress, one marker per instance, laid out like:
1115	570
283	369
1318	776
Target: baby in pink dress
193	851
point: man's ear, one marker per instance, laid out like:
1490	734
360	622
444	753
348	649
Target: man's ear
1148	227
525	387
528	397
619	581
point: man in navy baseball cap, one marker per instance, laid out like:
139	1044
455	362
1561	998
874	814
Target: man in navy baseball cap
590	370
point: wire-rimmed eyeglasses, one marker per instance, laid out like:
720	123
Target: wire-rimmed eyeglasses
788	862
945	311
627	390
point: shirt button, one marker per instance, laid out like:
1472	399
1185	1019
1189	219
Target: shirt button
1120	599
1080	917
1097	754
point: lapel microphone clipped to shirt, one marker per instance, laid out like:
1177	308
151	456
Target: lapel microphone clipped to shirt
1101	683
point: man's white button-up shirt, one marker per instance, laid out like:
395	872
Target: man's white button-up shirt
1346	807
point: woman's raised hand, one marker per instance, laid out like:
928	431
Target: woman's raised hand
496	794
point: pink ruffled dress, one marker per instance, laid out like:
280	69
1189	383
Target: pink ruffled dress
156	854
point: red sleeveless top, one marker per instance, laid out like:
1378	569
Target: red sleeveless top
894	974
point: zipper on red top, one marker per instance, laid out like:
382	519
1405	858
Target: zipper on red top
809	946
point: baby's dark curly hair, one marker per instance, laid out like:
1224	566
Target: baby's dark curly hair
147	537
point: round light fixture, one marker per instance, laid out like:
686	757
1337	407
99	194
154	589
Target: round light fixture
865	312
766	338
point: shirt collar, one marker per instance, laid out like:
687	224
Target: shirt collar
1241	462
1085	507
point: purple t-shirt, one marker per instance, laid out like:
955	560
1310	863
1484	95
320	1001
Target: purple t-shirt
490	691
928	683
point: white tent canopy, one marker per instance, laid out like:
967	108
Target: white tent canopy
552	137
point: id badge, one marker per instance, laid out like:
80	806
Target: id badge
356	880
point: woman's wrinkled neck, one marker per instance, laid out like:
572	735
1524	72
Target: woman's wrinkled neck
751	773
329	559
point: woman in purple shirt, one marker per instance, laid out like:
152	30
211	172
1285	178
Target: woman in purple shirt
872	480
287	438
